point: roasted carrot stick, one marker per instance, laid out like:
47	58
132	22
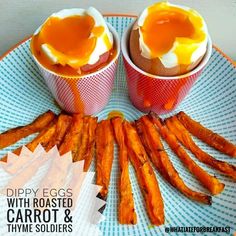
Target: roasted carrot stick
160	159
184	137
145	174
212	139
86	150
72	139
84	141
127	214
104	155
62	126
89	153
42	138
208	181
13	135
151	151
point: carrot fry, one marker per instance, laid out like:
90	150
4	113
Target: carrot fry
159	149
184	137
160	159
62	126
104	155
127	214
212	139
208	181
13	135
42	138
84	140
72	138
86	150
88	155
145	175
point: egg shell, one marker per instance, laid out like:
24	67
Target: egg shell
102	60
154	66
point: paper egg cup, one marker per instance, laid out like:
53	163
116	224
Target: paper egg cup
160	94
87	94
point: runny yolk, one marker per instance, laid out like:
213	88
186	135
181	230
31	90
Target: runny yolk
69	35
72	37
161	28
115	113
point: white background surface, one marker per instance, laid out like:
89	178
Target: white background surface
20	18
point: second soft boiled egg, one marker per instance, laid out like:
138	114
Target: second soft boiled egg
168	40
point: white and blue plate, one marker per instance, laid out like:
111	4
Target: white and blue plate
212	101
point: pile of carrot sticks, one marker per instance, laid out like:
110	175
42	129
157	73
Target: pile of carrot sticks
141	143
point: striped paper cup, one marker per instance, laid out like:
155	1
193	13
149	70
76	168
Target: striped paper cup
160	94
86	94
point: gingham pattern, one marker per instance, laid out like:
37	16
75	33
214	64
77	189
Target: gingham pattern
24	95
93	91
158	95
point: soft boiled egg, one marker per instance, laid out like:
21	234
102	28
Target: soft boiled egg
168	40
73	41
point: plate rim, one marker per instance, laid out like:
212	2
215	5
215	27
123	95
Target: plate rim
229	59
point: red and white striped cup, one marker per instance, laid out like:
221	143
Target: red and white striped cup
160	94
86	94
